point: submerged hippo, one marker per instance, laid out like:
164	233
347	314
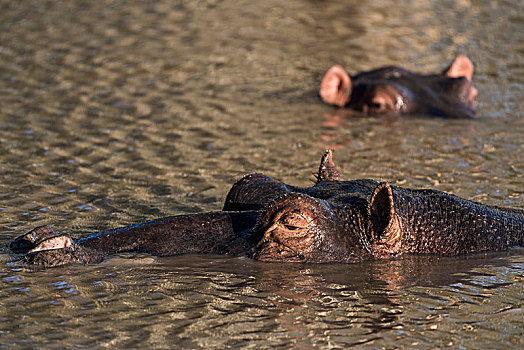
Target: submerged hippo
395	90
332	221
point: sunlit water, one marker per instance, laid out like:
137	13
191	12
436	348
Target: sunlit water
115	112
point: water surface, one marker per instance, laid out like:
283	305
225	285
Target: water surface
116	112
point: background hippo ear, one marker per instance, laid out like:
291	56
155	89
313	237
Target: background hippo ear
335	87
460	67
386	227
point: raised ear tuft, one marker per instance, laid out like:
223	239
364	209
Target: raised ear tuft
460	67
335	87
387	232
327	171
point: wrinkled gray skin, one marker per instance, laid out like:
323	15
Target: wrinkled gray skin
332	221
395	90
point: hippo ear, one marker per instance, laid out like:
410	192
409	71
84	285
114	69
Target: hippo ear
460	67
335	87
386	227
327	171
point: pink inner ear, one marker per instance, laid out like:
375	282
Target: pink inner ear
461	67
335	87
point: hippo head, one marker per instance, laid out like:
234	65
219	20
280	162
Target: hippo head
323	223
394	90
297	227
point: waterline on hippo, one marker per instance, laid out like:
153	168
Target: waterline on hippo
331	221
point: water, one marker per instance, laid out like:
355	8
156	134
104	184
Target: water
116	112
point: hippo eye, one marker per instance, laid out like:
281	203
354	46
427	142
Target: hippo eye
376	105
294	221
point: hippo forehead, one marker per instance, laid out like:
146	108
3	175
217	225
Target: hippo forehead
389	72
405	80
256	191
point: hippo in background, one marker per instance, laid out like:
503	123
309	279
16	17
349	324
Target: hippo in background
331	221
395	90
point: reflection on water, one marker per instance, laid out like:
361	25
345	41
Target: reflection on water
115	112
196	301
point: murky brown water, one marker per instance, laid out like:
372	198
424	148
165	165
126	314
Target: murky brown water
116	112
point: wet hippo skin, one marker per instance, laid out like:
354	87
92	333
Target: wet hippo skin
331	221
395	90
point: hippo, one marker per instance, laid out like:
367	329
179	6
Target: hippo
395	90
333	221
